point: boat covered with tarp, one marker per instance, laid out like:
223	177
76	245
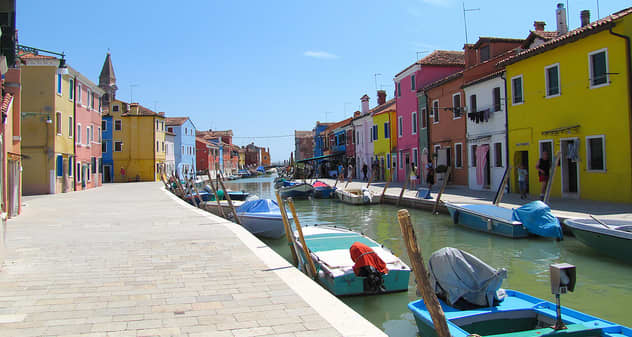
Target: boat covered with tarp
322	190
262	217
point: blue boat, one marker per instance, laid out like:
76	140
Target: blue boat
296	191
518	315
329	249
262	217
322	190
533	218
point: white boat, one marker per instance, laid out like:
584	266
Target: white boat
262	217
357	196
614	239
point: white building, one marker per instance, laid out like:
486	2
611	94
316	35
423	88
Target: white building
170	160
362	124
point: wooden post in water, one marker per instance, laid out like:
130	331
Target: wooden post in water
384	191
501	189
555	163
401	194
179	186
421	274
230	202
445	183
370	179
220	209
308	256
286	224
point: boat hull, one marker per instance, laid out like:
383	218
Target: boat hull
263	226
355	199
241	196
605	241
478	220
299	191
323	192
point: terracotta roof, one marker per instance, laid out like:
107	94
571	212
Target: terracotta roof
444	80
175	121
212	133
303	134
386	107
483	39
440	58
339	124
33	56
484	78
142	111
573	35
6	101
544	35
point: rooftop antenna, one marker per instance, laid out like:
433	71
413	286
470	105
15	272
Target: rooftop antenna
327	113
420	53
155	106
598	17
465	20
131	92
375	78
346	107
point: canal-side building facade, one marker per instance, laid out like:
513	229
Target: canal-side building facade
170	157
319	138
106	148
435	66
486	124
384	144
571	95
303	145
363	126
184	145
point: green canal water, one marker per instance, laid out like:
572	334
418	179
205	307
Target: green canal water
603	289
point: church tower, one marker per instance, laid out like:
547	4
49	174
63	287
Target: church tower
107	81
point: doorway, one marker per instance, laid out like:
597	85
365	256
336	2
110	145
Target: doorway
570	175
521	158
107	173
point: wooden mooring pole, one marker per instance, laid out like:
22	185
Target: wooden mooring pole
421	274
299	229
219	203
445	183
288	227
230	202
384	191
501	188
555	162
401	194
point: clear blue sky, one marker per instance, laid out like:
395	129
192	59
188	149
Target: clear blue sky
267	68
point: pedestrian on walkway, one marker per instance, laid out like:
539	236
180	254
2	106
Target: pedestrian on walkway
413	175
365	170
523	175
430	173
544	166
350	171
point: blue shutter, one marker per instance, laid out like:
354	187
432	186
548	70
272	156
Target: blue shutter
60	166
70	166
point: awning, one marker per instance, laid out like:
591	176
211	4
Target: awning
320	157
566	129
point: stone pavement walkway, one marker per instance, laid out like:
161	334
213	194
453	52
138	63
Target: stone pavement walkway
131	260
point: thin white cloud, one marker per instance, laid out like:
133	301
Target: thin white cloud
320	55
441	3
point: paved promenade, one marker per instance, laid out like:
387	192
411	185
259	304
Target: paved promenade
131	260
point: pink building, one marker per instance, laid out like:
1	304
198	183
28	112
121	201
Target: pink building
88	156
437	65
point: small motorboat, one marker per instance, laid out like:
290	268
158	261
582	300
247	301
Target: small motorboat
330	249
262	217
238	195
296	191
244	173
474	304
357	196
533	218
613	237
322	190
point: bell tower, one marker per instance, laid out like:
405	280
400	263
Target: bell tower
107	81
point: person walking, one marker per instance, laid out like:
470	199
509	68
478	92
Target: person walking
523	175
413	175
365	170
544	167
430	176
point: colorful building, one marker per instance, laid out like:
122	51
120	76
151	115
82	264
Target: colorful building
184	145
170	157
265	157
106	148
319	138
303	144
384	144
410	142
571	96
206	154
363	127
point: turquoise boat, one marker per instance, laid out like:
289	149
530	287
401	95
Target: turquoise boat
487	218
612	237
518	315
329	249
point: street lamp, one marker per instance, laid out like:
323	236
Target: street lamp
61	70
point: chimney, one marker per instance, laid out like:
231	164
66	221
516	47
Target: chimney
356	114
381	97
584	17
560	14
539	26
365	104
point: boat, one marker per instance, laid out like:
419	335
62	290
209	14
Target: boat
533	218
470	294
613	238
238	195
329	249
212	207
244	173
296	191
271	171
322	190
357	196
262	217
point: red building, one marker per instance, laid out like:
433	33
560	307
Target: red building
205	155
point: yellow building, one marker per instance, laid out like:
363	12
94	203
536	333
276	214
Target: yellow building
571	95
138	142
47	125
384	146
242	158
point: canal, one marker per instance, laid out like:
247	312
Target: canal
603	289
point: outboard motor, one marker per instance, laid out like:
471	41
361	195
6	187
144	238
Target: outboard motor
370	266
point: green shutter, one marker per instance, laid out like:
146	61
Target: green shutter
599	75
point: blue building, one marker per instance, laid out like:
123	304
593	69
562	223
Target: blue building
319	138
341	141
183	144
106	148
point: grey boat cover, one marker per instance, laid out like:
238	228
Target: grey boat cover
455	275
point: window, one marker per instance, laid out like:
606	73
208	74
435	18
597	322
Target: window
163	146
496	96
78	172
92	101
157	125
100	102
58	84
78	134
415	156
388	160
399	89
473	108
387	130
414	123
484	52
71	89
104	147
498	154
58	122
89	100
458	155
99	134
118	146
399	159
170	129
596	153
104	125
435	110
88	135
117	125
473	156
115	108
552	78
60	166
400	126
546	146
79	93
157	146
71	127
436	149
412	82
88	172
424	117
70	166
516	90
598	68
456	106
93	164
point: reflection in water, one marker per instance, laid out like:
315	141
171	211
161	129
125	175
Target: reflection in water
604	285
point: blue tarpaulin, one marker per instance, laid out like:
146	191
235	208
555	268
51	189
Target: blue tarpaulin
261	169
537	218
259	206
